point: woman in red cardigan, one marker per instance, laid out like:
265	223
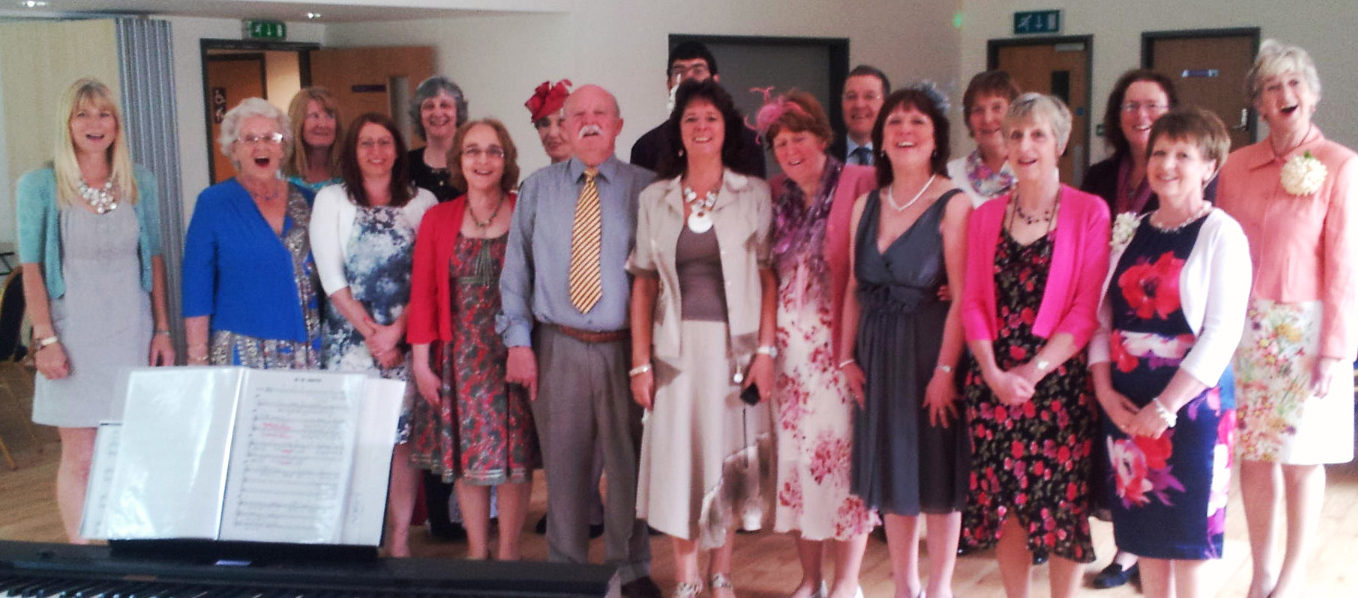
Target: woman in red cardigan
1035	263
470	427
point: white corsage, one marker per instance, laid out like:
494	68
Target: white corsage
1303	175
1124	228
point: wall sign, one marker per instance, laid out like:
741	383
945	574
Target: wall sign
1037	21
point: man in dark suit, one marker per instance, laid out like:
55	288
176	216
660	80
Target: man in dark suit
864	91
692	60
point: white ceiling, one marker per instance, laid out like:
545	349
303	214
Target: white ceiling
332	11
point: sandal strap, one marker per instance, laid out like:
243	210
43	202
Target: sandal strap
688	589
720	581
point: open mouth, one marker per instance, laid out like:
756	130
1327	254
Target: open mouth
1290	109
262	161
1026	161
905	144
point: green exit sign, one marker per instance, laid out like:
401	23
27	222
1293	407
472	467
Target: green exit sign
1037	21
266	30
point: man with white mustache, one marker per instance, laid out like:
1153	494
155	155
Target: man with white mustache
564	293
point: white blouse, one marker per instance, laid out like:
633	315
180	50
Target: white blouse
332	221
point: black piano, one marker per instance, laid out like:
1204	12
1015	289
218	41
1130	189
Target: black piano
50	570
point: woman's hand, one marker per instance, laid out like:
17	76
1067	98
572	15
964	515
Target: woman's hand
1147	422
761	375
1321	374
1011	387
162	351
1118	409
853	375
384	344
940	398
643	389
51	362
428	384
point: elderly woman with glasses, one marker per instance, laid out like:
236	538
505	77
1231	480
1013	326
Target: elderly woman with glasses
250	285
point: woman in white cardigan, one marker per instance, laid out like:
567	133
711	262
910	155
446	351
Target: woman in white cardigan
1173	310
362	237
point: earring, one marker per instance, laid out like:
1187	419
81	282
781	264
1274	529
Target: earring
681	152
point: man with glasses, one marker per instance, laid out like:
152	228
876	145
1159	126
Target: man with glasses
864	91
692	60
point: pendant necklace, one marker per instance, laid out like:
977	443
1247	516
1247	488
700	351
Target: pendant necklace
102	199
481	226
700	212
890	199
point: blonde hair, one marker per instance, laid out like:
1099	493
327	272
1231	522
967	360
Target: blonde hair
1276	58
297	165
90	94
1040	109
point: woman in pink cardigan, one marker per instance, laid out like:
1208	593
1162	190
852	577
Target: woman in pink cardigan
1035	263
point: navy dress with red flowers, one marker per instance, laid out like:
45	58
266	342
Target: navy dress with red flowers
1168	494
1030	461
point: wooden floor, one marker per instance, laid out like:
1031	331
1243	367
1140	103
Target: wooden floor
765	564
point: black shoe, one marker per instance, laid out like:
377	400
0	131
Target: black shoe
596	530
641	587
1114	575
541	528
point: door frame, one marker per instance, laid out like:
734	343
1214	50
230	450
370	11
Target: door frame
1148	39
992	60
205	45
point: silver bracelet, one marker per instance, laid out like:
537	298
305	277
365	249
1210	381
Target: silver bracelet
943	367
639	370
1165	414
769	350
844	363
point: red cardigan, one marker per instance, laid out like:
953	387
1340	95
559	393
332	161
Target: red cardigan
854	181
1074	282
430	315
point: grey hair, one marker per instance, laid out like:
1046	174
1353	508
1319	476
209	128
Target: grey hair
250	108
431	87
1276	58
1039	108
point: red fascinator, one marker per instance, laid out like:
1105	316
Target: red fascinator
548	98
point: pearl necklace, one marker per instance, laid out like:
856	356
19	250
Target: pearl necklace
890	199
1206	207
102	199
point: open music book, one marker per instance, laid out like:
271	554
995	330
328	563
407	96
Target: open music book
229	453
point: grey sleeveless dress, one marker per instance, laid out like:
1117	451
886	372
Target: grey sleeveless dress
104	319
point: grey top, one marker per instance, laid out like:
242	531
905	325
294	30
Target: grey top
533	285
702	291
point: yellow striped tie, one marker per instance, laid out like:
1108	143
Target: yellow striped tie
584	285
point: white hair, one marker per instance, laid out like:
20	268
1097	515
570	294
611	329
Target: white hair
1276	58
249	108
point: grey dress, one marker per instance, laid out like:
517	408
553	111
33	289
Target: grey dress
103	319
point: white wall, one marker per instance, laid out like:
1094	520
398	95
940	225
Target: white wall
1325	28
623	44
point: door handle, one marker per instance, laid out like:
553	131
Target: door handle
1244	120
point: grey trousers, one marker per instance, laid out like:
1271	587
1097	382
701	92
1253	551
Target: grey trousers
584	401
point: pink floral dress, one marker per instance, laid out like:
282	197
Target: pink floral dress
1168	493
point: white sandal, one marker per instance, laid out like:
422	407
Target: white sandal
720	581
688	589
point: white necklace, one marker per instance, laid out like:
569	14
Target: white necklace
901	208
1202	211
102	199
700	213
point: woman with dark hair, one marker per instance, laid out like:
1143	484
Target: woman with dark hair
315	159
437	111
703	307
901	344
470	427
1139	98
362	233
813	200
985	173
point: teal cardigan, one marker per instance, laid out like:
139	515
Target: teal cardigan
39	225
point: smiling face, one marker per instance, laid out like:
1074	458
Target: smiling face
376	151
702	129
862	99
438	115
93	128
552	133
801	155
483	158
985	122
1033	151
258	148
1286	102
1177	170
318	126
1142	104
592	124
908	138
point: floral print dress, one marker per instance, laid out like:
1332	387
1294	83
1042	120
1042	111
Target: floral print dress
1168	493
1030	461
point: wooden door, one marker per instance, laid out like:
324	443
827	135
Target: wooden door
1059	67
1208	69
374	80
230	79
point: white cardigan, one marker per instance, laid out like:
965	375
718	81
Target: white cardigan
332	221
1214	290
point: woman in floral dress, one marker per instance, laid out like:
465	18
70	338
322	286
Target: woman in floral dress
813	200
1035	261
362	233
1171	318
470	427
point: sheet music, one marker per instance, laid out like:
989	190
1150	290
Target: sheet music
291	457
93	525
367	499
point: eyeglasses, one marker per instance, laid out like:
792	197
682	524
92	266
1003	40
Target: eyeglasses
1138	106
493	151
270	138
383	143
692	71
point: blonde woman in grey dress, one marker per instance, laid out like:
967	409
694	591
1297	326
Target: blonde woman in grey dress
93	279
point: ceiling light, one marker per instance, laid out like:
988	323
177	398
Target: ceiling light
313	16
32	4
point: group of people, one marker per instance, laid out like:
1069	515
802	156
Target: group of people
876	335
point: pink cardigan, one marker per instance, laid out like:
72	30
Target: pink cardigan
854	181
1079	263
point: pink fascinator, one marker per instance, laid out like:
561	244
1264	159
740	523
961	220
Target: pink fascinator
773	109
548	98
